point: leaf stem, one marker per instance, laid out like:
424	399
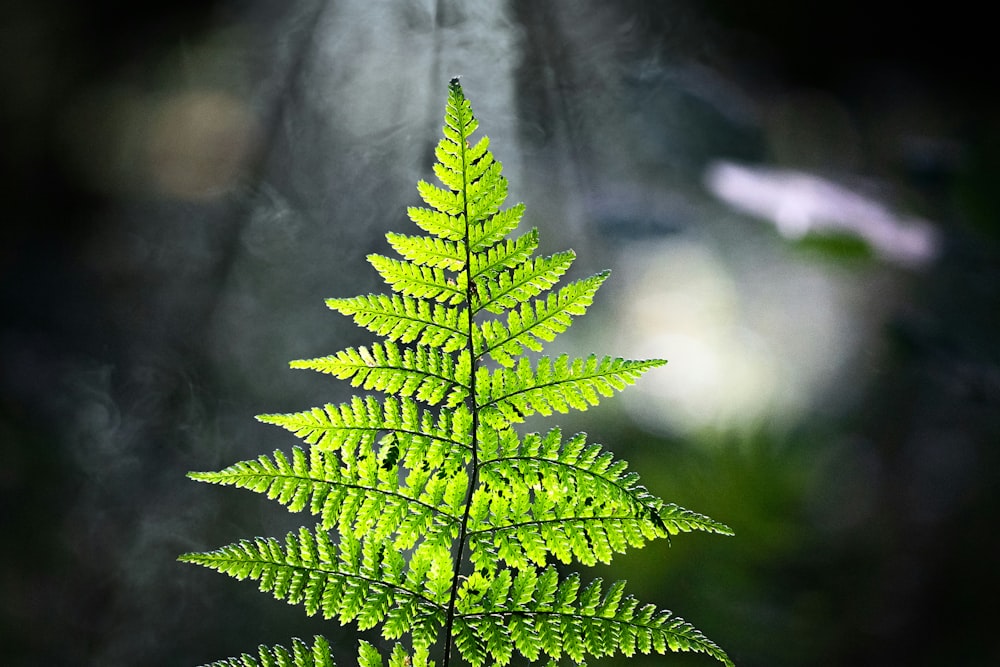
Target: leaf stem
474	407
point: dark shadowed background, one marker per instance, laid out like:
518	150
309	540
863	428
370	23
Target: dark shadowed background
799	203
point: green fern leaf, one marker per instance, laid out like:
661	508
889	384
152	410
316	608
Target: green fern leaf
679	520
509	395
429	251
593	622
368	655
405	319
349	425
445	221
492	230
507	254
441	224
362	498
415	280
424	372
352	581
567	498
534	324
438	522
502	291
451	168
303	655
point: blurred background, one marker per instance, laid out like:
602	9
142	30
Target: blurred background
799	203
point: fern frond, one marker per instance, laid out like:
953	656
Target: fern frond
301	655
677	520
485	192
460	123
593	473
347	425
362	498
542	615
369	656
437	521
457	164
588	540
478	159
352	580
447	220
537	322
419	281
491	230
507	254
428	251
508	395
428	374
528	279
546	495
406	319
449	227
